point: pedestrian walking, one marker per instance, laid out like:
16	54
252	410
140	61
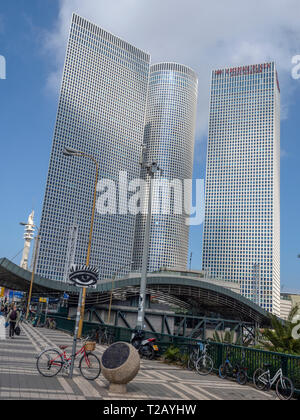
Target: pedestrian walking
13	319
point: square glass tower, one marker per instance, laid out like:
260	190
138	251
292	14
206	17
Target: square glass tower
242	210
101	112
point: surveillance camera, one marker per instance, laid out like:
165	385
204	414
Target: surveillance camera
154	167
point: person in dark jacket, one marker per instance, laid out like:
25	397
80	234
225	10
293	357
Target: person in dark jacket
13	319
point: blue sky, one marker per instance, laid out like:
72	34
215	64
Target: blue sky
33	38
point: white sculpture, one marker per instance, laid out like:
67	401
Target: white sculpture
28	236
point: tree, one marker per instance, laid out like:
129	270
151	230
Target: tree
279	338
229	337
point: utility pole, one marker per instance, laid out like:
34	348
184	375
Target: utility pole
69	152
75	337
151	169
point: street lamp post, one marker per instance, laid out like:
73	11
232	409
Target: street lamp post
82	296
152	169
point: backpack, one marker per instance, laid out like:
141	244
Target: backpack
13	316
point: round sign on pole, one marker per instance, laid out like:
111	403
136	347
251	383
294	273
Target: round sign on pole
83	276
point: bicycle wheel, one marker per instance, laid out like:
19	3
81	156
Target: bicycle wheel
192	360
111	339
103	339
49	363
241	377
223	371
90	366
204	365
260	379
284	388
190	365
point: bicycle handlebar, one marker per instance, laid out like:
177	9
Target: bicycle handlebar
84	339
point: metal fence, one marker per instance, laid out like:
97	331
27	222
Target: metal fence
254	358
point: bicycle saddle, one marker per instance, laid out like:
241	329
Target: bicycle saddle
63	347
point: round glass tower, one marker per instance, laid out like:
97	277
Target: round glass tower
169	140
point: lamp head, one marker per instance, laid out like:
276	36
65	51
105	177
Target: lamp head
68	151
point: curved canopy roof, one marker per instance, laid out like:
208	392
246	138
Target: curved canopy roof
171	287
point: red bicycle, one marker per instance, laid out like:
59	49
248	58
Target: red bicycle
50	362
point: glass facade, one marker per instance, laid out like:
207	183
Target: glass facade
169	139
101	112
242	210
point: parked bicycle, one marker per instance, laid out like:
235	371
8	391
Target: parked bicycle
106	337
194	356
200	360
263	381
95	335
204	364
50	362
50	323
236	370
36	321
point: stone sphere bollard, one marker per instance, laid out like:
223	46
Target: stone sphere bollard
120	364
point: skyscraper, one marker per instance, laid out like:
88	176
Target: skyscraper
169	141
101	112
242	210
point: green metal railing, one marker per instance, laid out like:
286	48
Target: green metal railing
254	358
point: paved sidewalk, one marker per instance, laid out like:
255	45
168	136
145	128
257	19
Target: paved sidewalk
19	378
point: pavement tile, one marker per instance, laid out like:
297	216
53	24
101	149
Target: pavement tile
19	378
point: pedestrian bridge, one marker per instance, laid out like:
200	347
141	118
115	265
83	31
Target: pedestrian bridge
192	294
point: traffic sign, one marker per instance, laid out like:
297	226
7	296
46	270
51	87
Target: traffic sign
43	300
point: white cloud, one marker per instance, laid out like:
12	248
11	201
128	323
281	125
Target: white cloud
202	35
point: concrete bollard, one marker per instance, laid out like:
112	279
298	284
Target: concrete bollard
120	364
